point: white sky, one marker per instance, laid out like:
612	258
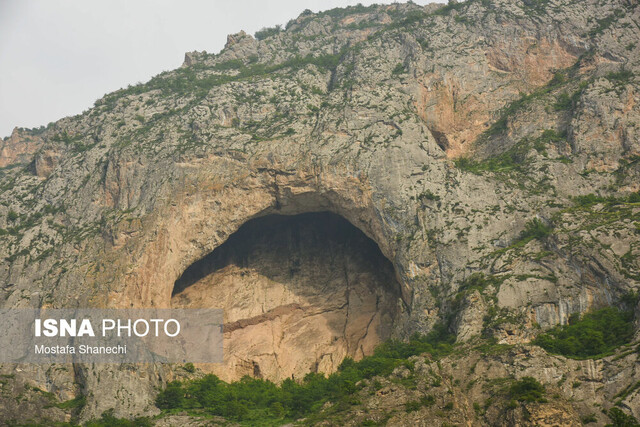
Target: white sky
58	56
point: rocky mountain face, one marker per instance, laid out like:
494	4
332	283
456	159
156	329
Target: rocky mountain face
339	182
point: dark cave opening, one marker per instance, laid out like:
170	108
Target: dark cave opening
283	234
299	293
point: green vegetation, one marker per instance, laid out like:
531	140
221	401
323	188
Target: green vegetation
590	200
496	317
480	281
509	161
524	390
415	405
267	32
535	7
76	403
445	10
342	12
195	82
514	160
74	141
606	22
527	389
475	282
596	210
409	18
563	102
507	112
398	69
516	167
232	64
594	213
12	215
620	77
620	419
252	399
622	395
547	137
596	334
108	420
428	195
535	229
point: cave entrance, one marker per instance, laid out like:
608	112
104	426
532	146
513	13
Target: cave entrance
299	293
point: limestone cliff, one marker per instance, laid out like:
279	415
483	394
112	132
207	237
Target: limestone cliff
438	134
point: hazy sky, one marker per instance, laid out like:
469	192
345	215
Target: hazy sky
58	56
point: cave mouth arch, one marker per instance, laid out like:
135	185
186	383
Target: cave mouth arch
299	292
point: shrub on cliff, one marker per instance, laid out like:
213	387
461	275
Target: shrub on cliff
527	389
267	32
594	335
257	399
535	229
620	419
109	420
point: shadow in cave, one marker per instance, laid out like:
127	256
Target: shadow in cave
299	294
277	246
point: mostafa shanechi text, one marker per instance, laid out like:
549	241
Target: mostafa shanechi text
111	335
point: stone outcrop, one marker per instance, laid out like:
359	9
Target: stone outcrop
19	148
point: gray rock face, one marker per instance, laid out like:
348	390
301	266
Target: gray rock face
439	132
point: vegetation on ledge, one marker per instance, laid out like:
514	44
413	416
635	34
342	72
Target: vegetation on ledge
251	399
594	335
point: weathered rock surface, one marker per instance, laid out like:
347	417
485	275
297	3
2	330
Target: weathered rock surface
439	132
19	148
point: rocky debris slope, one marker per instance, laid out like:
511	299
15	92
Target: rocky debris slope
477	388
457	137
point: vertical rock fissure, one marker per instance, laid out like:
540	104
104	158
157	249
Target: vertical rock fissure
347	296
